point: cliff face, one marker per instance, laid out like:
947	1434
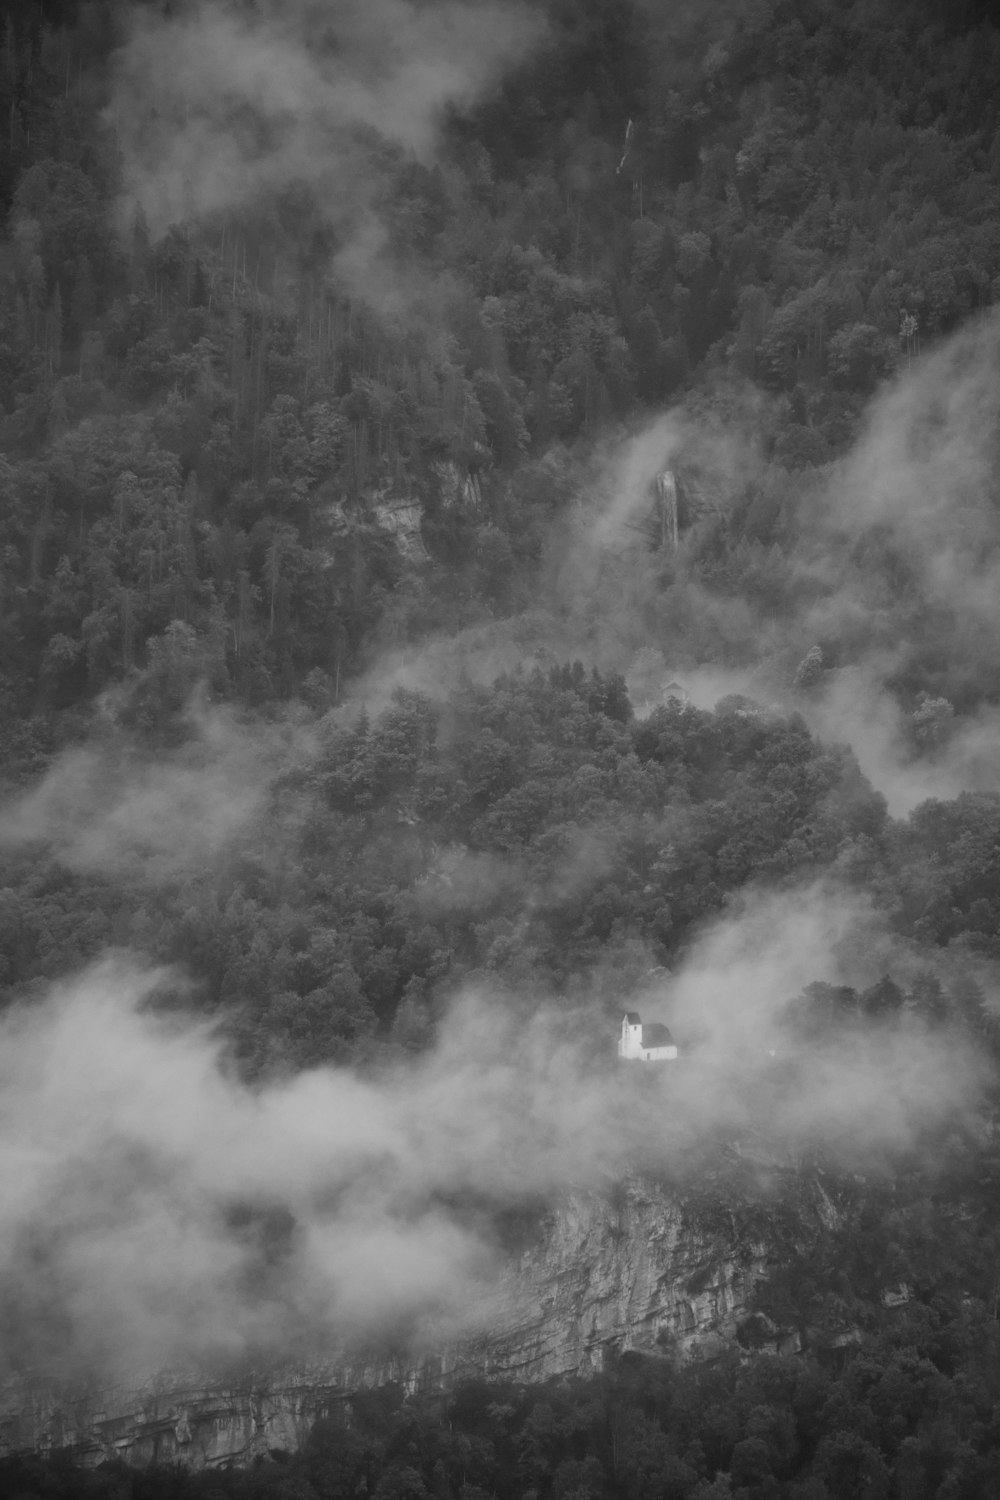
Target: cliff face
627	1272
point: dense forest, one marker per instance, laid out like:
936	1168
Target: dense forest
910	1414
489	500
238	486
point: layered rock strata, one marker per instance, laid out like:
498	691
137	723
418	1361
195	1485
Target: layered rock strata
603	1273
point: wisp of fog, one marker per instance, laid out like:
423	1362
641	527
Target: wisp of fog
159	1211
221	107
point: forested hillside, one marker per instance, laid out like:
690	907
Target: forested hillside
239	463
208	421
502	502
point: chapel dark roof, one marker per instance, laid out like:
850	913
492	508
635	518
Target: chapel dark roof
654	1034
633	1018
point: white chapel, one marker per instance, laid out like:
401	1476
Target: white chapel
650	1043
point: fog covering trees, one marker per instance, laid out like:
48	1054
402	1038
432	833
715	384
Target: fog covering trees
363	723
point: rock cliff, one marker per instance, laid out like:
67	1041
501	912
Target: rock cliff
626	1270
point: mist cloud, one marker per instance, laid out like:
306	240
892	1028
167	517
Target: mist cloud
855	706
858	1094
108	806
890	558
915	496
158	1211
219	106
921	476
918	488
925	461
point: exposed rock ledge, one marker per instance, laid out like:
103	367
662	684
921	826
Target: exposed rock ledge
619	1273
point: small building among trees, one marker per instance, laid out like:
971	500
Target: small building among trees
639	1043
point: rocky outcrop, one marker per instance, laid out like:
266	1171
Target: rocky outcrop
170	1418
403	519
627	1270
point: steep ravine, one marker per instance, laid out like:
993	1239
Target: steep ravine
629	1270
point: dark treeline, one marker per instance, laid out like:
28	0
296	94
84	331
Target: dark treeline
909	1413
